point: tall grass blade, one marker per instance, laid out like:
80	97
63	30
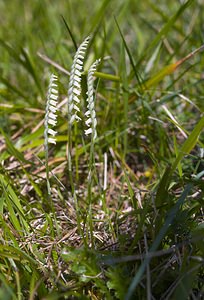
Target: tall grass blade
129	54
12	201
17	254
6	291
169	69
189	144
166	28
70	33
29	65
124	79
12	150
13	88
157	241
25	61
98	17
163	187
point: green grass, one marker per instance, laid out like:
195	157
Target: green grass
129	223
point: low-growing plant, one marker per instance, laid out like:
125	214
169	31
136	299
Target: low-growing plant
112	206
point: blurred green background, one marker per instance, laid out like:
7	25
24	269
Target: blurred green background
37	26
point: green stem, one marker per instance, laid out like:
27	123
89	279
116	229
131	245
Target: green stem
105	76
71	175
47	170
90	182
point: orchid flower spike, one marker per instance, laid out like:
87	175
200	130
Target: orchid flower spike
51	108
74	89
91	121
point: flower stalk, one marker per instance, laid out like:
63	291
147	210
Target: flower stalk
91	121
50	122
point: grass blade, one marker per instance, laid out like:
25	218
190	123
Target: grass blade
12	150
29	65
12	87
129	54
165	29
169	69
157	241
189	144
99	16
25	61
12	200
70	33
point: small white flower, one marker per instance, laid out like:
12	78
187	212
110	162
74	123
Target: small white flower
52	140
50	116
52	122
54	97
74	89
91	122
52	132
88	131
54	91
53	109
88	122
54	103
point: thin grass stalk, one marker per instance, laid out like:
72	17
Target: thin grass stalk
103	195
18	284
125	97
17	277
148	273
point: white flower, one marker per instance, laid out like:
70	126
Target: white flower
74	89
88	131
91	121
50	116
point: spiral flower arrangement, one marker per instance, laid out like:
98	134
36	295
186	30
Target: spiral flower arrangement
50	115
74	89
50	122
91	121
